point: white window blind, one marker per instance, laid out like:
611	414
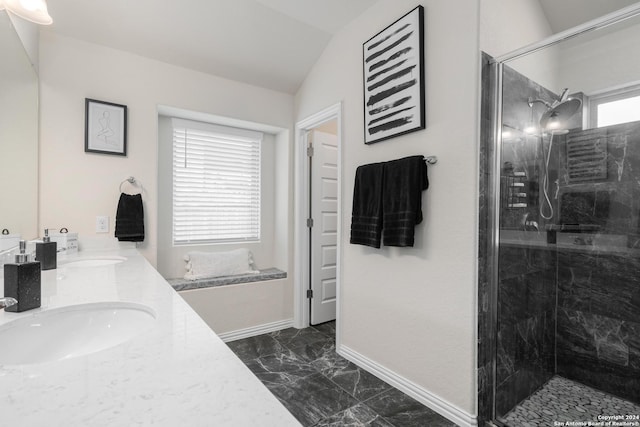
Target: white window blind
216	183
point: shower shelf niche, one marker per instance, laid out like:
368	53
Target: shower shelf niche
515	190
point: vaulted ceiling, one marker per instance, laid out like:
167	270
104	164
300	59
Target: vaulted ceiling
267	43
565	14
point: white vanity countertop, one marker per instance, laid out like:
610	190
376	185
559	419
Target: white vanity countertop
178	373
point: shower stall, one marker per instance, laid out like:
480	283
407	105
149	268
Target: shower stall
559	280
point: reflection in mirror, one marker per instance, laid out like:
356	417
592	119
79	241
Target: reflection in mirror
18	135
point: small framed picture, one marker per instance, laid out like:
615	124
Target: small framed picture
105	128
393	62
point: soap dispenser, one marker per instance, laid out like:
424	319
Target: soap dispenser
22	281
46	252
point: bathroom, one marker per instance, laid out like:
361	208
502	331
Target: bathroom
408	315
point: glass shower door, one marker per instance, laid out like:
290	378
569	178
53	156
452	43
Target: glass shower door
567	283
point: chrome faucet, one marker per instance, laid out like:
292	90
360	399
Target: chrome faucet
7	302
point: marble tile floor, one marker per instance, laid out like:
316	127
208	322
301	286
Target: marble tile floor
321	389
562	400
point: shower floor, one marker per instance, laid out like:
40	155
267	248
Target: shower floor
561	400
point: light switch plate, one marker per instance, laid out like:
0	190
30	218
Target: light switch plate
102	224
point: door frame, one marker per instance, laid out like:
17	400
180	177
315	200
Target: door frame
301	309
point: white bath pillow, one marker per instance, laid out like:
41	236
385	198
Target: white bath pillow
215	264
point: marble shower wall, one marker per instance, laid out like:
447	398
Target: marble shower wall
523	337
522	151
598	338
526	286
526	323
612	201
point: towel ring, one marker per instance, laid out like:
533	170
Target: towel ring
131	180
431	160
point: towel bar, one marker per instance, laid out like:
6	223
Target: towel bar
431	160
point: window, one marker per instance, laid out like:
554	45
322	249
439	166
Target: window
216	183
615	107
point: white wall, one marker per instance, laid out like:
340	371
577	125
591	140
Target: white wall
18	136
234	308
283	224
19	158
509	25
412	310
603	60
77	186
29	35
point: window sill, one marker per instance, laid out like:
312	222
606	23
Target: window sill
263	275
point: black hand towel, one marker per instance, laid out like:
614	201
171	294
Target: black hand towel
130	218
366	215
404	181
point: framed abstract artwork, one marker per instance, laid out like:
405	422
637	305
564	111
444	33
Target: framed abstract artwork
105	127
393	63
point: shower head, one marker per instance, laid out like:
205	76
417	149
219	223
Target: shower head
557	113
557	116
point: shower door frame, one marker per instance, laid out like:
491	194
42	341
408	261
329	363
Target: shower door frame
488	344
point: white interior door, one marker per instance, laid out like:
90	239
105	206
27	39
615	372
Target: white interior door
324	229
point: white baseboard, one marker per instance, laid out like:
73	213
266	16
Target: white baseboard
419	393
265	328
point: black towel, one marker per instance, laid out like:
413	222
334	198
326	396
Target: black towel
366	216
130	218
404	181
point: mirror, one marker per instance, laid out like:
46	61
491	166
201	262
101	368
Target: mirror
18	135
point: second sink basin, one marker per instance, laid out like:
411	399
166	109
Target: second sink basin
73	331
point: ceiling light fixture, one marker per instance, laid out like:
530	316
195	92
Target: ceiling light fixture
31	10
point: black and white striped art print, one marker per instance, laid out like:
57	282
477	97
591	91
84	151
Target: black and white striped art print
394	79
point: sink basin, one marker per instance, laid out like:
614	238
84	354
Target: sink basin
67	332
94	262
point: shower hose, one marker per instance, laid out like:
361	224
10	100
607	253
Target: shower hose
545	183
